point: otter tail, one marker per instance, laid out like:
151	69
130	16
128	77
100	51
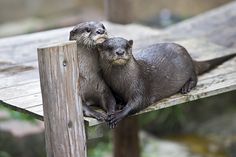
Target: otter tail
204	66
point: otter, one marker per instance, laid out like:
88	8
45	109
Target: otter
149	74
92	88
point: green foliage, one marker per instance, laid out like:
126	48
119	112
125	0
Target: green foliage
165	119
4	154
101	149
167	115
17	115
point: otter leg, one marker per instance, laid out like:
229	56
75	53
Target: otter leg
190	84
89	112
133	106
116	117
108	102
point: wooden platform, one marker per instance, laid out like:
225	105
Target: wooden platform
207	36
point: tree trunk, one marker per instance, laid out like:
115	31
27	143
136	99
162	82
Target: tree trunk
119	11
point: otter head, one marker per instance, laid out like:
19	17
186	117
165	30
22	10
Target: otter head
89	34
116	51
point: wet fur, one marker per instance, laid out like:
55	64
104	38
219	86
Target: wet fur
149	75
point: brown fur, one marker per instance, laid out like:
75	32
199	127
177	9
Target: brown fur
149	74
93	90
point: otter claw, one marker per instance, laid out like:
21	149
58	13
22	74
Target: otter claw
99	116
114	119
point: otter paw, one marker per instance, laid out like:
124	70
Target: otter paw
185	90
114	119
99	116
111	112
187	87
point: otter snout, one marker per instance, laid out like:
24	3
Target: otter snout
120	52
120	57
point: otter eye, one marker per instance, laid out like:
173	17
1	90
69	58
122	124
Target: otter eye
127	46
87	30
103	27
109	48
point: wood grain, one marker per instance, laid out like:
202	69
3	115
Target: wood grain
63	115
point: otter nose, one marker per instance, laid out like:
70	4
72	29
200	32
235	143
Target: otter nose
120	52
100	31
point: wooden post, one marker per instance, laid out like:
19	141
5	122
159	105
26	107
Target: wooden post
119	11
126	141
63	116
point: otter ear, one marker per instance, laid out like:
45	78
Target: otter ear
131	43
72	33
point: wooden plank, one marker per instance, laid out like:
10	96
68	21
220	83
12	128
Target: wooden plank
26	95
22	49
204	89
207	86
18	60
222	72
63	113
15	49
12	92
19	78
26	101
11	69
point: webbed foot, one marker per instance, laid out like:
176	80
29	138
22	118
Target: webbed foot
114	118
189	85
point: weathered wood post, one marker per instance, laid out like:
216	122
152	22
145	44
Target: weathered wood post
126	141
63	117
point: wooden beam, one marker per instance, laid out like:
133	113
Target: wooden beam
126	139
63	116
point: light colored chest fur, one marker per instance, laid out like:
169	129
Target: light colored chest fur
122	80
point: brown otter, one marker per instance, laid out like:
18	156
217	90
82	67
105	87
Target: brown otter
149	74
93	90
